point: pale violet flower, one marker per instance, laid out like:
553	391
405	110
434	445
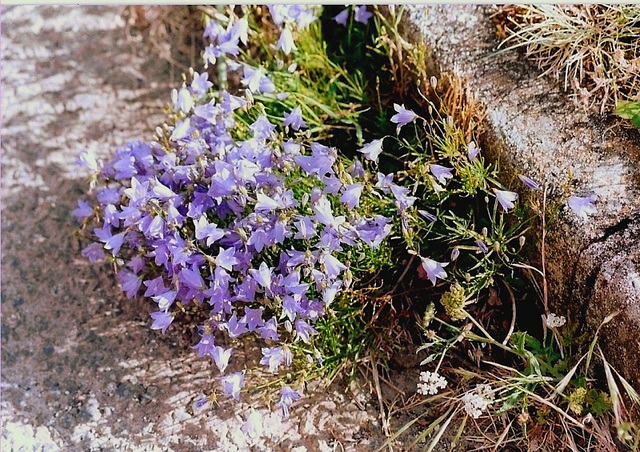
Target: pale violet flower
362	15
254	427
402	117
478	400
506	198
434	269
221	357
441	173
161	320
554	321
430	383
232	384
533	185
372	150
285	43
342	17
472	150
294	119
583	206
351	195
182	99
287	397
274	357
482	246
455	253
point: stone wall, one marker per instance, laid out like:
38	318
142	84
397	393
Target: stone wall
535	129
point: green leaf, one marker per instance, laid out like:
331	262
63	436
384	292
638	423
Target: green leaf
628	110
597	403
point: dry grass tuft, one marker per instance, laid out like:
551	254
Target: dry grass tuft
593	49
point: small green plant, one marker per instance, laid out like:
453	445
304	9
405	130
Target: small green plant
629	110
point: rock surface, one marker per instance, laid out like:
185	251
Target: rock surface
81	370
535	130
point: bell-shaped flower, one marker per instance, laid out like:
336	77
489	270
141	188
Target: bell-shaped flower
582	206
434	269
232	384
351	195
402	117
285	42
506	198
362	15
342	17
441	173
372	150
294	119
287	397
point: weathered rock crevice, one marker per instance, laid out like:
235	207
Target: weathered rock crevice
533	128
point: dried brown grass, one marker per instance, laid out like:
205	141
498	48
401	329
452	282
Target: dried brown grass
593	49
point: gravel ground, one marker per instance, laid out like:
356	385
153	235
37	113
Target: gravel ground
81	370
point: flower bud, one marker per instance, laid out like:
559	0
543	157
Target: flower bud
521	240
433	81
455	253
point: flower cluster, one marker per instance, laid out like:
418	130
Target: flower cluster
241	215
478	400
430	383
554	321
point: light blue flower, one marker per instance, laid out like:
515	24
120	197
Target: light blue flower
294	119
434	269
287	397
362	15
533	185
285	42
372	150
342	17
441	173
232	384
402	117
583	206
506	198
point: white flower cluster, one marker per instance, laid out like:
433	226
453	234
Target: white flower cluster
477	400
554	321
430	382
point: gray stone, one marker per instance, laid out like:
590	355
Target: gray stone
536	130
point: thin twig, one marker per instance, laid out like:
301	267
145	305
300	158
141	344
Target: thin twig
376	380
391	385
513	315
404	273
545	289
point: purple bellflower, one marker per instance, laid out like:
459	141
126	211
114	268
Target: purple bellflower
285	42
294	119
232	384
441	173
287	397
533	185
434	269
342	17
506	198
582	206
372	150
362	15
402	117
161	320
